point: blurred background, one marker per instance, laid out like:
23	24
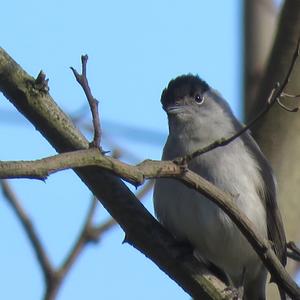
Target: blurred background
135	48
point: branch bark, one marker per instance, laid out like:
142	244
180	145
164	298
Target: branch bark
278	133
142	230
149	169
85	162
260	18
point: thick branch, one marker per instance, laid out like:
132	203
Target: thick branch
89	233
142	230
97	231
159	169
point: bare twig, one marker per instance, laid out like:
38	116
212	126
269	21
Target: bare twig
89	233
83	238
157	169
118	200
59	274
288	109
275	96
93	233
29	229
93	102
294	252
104	227
41	82
290	95
143	231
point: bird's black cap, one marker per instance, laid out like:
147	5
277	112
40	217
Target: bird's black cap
184	85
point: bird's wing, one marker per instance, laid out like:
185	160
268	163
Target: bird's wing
275	225
267	193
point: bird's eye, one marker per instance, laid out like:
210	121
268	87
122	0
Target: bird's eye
199	99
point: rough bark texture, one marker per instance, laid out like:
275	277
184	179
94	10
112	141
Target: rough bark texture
31	98
260	19
259	27
278	133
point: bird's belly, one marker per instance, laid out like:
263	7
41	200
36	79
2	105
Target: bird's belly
190	216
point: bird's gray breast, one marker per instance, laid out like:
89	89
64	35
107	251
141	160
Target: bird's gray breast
190	216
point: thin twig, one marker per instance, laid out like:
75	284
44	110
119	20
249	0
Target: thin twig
134	219
30	231
290	95
104	227
292	255
275	95
288	109
157	169
294	252
90	233
86	236
81	241
93	102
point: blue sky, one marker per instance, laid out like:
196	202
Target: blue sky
134	48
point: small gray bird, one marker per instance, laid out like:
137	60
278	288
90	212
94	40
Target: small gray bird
198	116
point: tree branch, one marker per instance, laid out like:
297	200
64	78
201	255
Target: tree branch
93	102
113	191
294	252
54	277
104	227
83	238
149	169
29	229
142	230
275	96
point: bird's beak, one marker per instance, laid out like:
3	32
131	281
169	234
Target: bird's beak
175	109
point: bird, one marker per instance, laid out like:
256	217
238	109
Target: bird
198	116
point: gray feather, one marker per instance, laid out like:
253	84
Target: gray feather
198	116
